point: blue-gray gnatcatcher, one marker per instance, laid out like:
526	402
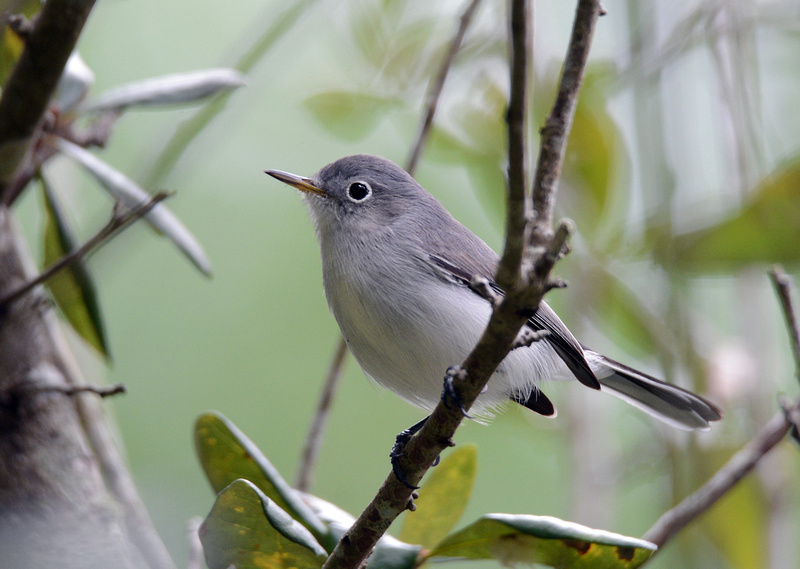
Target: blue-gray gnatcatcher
397	269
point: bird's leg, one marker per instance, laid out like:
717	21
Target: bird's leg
449	392
397	451
528	336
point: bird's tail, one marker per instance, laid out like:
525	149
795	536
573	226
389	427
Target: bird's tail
673	405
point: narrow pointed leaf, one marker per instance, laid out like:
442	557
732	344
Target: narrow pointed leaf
389	553
72	288
167	90
247	530
442	498
515	539
226	454
132	195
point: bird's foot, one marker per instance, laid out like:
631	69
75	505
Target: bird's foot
397	452
449	393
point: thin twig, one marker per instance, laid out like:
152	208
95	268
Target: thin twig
99	390
119	220
726	478
517	216
308	461
748	457
558	123
783	286
33	81
435	89
424	448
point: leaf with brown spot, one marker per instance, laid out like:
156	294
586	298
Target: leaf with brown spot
515	539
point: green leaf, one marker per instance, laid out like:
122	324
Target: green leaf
349	115
765	230
226	454
442	498
248	530
513	539
389	553
72	288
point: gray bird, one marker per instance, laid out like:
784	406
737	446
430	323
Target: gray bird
396	269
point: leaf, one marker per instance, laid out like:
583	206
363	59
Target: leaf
389	553
542	539
248	530
166	90
132	195
226	454
348	115
442	498
72	287
765	230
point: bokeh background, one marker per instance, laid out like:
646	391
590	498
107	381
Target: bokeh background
682	176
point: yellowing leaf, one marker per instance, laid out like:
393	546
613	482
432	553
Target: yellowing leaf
442	498
514	539
247	530
72	288
226	455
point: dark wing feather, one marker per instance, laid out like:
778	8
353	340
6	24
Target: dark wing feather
560	338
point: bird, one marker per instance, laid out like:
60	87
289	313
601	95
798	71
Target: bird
397	269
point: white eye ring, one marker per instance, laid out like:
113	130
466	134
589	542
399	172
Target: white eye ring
359	191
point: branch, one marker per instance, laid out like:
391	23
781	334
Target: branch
556	129
435	90
314	438
748	457
726	478
508	317
31	85
119	220
783	286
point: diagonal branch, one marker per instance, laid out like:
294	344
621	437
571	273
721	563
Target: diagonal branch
746	459
31	85
119	220
508	317
435	89
783	287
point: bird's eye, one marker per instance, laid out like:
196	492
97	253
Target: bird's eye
359	191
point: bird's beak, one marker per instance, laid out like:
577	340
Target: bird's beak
299	182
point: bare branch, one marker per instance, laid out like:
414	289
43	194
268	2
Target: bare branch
119	220
739	466
558	124
509	315
435	89
783	286
31	85
99	390
517	216
315	433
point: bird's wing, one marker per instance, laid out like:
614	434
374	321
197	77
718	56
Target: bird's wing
560	338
